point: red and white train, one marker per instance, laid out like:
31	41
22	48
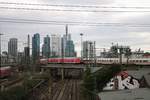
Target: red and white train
5	71
136	61
76	60
73	60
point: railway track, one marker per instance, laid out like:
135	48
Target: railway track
56	90
7	84
3	80
67	90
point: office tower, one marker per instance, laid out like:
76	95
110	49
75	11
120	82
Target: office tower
46	47
13	47
88	49
36	47
56	45
65	39
69	50
27	52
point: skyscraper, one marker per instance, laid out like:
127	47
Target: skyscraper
88	49
13	47
26	55
56	45
68	45
36	46
27	52
46	47
69	50
66	37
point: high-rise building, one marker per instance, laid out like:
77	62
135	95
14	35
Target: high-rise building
46	47
13	47
88	49
26	55
27	52
20	58
56	49
66	37
69	50
36	46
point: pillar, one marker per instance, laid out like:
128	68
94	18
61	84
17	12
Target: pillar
42	70
62	73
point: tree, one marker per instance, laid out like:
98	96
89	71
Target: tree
88	84
104	75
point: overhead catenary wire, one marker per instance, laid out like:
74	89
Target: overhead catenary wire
76	6
53	22
75	10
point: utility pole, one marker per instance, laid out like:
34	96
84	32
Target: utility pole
62	70
94	54
0	51
128	53
120	50
91	52
50	86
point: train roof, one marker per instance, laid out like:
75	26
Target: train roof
65	58
4	68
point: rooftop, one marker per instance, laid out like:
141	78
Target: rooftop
135	94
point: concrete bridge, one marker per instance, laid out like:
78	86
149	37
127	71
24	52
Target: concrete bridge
64	67
68	66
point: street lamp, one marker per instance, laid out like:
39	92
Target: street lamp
81	34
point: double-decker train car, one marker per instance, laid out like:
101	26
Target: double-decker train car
5	71
136	61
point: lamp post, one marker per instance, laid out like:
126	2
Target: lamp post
81	34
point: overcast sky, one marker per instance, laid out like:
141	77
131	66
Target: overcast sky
136	37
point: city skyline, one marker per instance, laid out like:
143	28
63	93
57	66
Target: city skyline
74	49
136	37
101	49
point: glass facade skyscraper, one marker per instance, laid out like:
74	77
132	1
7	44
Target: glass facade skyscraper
69	50
36	47
46	47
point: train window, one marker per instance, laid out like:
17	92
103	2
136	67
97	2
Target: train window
145	60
